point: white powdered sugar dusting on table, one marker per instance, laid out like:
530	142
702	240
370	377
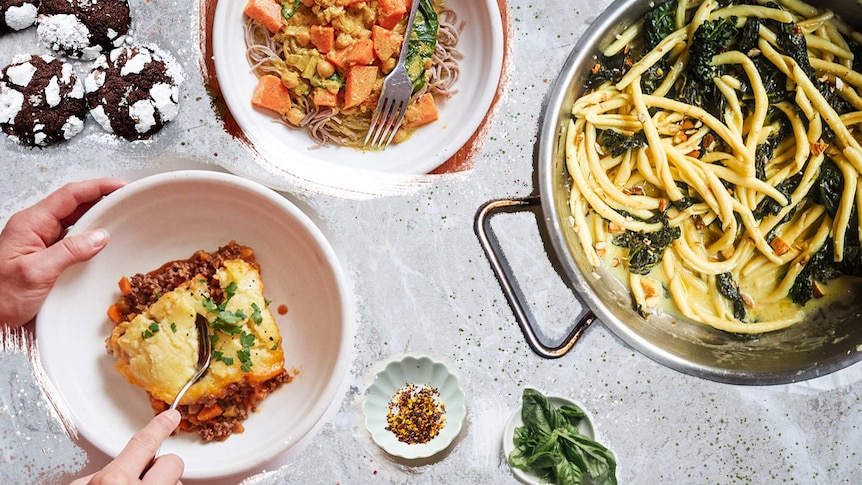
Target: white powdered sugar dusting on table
11	102
21	17
52	92
143	113
21	74
63	32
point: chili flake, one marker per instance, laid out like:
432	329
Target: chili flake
416	414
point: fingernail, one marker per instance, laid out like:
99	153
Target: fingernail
98	238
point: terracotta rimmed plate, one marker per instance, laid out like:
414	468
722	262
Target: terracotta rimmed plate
168	217
420	371
284	149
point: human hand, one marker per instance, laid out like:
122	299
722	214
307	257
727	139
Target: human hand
32	253
130	466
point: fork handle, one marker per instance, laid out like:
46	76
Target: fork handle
404	46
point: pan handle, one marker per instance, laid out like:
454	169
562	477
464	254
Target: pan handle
488	240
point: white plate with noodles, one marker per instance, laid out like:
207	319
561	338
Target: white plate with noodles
295	151
704	269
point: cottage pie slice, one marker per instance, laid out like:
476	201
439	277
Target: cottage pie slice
155	338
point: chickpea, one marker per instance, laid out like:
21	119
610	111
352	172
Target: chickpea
290	79
401	135
389	65
325	68
303	36
343	40
295	116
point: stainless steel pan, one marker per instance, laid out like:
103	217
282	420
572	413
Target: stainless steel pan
829	339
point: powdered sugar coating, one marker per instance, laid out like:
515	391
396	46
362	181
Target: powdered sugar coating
131	92
83	29
17	17
41	101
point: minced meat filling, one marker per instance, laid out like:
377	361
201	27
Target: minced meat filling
147	288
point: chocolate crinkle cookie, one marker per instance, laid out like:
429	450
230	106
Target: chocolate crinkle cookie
131	92
17	14
41	100
83	29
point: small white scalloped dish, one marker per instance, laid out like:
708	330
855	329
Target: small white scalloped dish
420	371
585	426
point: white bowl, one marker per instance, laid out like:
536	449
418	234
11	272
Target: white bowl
420	371
283	149
585	426
168	217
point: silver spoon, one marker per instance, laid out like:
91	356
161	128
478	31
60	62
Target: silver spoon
204	356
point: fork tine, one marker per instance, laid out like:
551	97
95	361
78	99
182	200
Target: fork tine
385	124
396	123
374	121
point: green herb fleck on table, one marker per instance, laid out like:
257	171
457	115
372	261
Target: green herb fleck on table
550	445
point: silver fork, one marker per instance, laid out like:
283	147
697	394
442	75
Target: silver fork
204	358
394	97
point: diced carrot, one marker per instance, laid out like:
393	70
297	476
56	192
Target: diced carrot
267	12
386	42
125	285
322	97
422	112
323	38
390	12
210	412
114	313
360	81
271	94
185	425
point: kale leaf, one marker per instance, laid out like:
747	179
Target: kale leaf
646	248
659	23
769	206
710	39
611	69
618	143
792	41
730	290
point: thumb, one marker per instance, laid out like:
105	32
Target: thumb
75	249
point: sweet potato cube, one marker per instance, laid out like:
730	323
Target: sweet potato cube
271	94
322	97
360	82
390	12
386	42
338	57
422	112
361	53
323	38
267	12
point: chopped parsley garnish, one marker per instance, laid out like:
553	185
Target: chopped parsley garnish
275	347
247	340
255	314
218	355
150	331
244	356
173	327
267	301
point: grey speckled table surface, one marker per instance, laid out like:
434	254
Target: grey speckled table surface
440	298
